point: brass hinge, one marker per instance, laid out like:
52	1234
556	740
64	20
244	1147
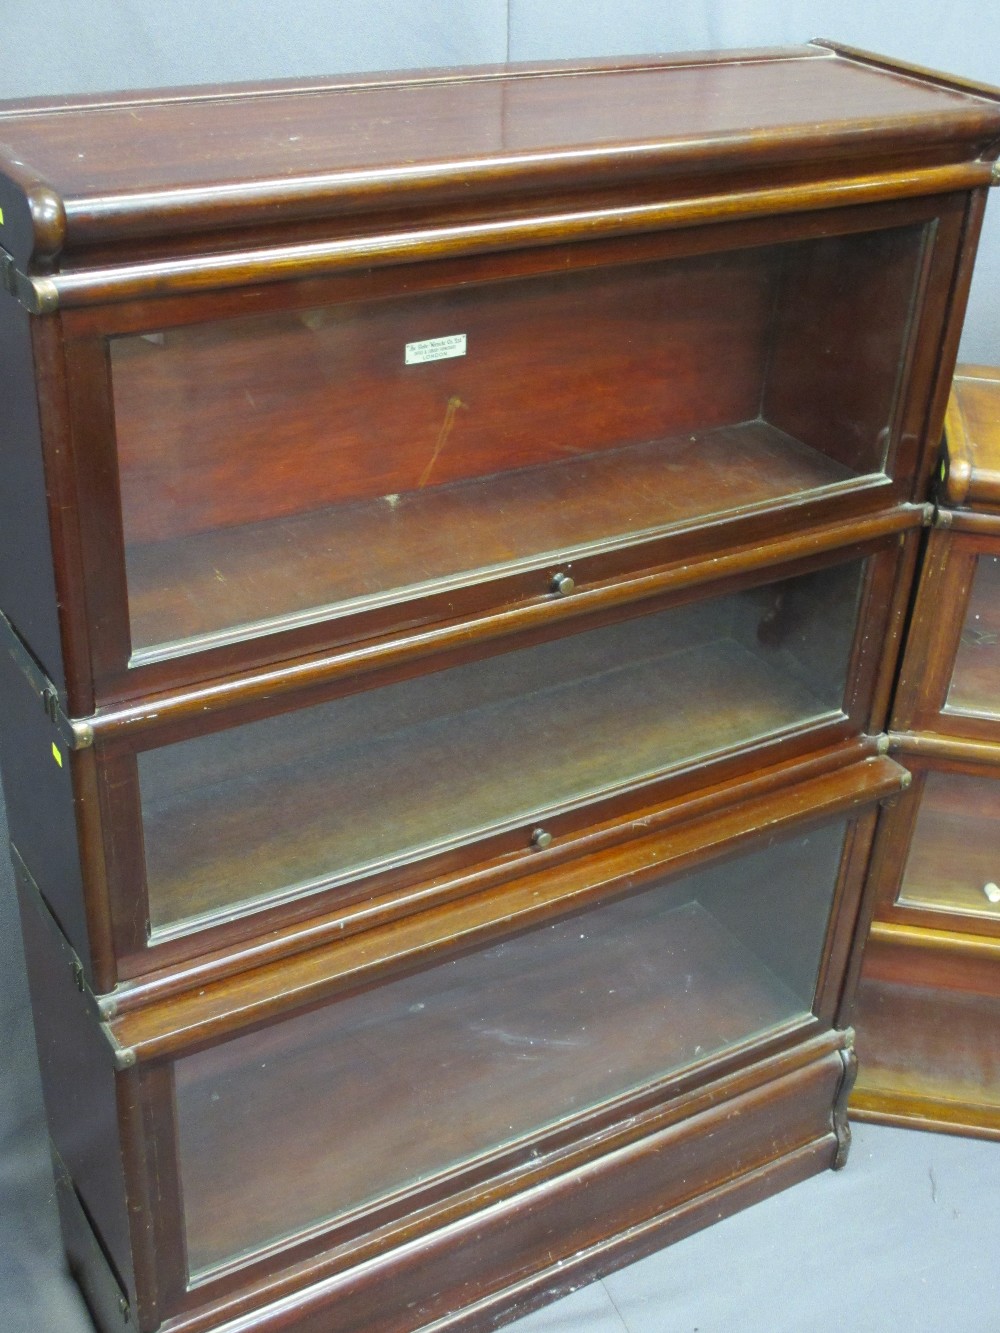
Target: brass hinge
76	733
933	516
885	744
39	296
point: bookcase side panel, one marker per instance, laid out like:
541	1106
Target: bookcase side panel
27	577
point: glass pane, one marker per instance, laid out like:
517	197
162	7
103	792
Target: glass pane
954	859
975	683
286	466
291	1126
308	799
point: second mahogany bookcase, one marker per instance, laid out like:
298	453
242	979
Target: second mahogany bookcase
457	534
929	998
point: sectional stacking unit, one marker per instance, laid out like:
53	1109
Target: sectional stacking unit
929	997
457	534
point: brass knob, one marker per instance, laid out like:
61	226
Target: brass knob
541	838
562	584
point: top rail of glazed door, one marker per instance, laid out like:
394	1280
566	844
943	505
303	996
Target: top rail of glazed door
160	163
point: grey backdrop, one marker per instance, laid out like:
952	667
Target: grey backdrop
95	45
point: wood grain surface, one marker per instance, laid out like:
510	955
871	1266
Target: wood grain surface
313	797
492	1047
171	163
972	439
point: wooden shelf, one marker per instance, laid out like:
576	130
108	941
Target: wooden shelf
208	587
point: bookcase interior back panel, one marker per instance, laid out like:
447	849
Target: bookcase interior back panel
953	863
281	806
389	1088
975	681
284	464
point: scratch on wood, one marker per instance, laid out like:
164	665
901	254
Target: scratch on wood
454	403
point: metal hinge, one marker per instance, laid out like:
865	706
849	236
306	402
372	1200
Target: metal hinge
936	517
841	1124
76	733
885	743
39	296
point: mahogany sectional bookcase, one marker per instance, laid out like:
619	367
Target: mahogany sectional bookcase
457	530
928	1004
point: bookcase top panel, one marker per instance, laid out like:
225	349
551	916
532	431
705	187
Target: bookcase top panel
973	438
199	159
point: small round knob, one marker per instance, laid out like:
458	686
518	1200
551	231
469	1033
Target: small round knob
562	584
541	838
992	892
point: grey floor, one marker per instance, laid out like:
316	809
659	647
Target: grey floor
905	1240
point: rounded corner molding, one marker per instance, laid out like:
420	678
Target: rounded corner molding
48	218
